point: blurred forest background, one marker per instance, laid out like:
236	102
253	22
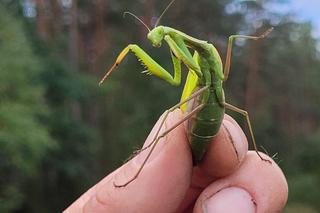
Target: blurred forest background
60	132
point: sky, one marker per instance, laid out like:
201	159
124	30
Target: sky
305	10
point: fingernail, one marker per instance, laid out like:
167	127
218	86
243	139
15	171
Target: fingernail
232	199
236	138
151	138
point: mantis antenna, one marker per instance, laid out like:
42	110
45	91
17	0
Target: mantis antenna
164	11
136	17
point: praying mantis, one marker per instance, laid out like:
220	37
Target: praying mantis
203	100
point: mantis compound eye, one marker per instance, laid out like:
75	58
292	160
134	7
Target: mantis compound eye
156	44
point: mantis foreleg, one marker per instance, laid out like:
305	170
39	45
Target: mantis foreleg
151	65
181	51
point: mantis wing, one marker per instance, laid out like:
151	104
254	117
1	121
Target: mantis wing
191	83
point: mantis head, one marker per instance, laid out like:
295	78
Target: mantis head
156	36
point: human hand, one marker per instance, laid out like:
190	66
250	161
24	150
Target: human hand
229	178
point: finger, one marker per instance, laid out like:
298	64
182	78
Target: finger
257	186
166	175
226	151
224	156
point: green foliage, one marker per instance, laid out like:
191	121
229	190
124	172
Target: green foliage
305	178
24	137
67	170
46	150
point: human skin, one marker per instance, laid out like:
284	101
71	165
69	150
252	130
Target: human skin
229	178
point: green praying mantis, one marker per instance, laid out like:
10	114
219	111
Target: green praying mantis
202	101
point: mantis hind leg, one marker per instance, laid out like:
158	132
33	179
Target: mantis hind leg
246	115
181	103
158	136
229	49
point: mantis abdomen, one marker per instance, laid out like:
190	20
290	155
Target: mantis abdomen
204	125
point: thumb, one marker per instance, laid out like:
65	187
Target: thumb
161	185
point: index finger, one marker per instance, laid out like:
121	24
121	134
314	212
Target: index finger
160	187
